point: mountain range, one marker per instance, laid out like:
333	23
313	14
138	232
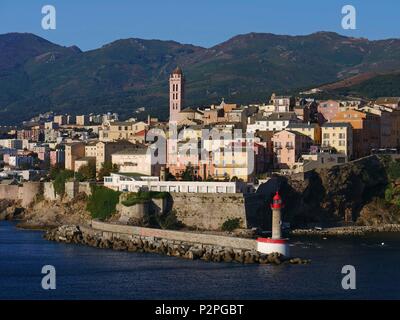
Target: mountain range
37	75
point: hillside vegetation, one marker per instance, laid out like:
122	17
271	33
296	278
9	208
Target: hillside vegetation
37	75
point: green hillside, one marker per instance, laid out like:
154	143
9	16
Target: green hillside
38	76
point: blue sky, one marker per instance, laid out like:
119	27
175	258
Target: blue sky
92	23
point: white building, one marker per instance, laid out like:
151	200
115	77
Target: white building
137	159
125	183
277	121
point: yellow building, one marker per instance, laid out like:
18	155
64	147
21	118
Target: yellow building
91	149
338	135
105	150
82	120
235	160
131	131
60	119
311	130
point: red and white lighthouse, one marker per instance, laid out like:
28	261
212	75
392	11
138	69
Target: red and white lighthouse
275	243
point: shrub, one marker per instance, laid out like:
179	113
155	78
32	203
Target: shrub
231	224
60	178
389	193
102	202
170	221
134	198
106	169
394	170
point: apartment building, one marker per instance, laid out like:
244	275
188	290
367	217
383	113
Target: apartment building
288	148
338	135
329	109
389	124
82	120
73	152
366	130
312	130
114	131
277	121
105	150
390	102
137	159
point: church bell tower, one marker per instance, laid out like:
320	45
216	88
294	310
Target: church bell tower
176	94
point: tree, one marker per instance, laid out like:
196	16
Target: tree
210	178
87	172
188	174
169	176
54	171
102	202
106	169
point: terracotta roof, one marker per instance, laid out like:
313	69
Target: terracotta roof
141	133
177	70
188	110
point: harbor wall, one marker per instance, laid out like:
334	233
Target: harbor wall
114	230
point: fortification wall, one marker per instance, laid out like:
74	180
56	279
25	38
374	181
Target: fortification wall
25	193
49	193
9	192
208	210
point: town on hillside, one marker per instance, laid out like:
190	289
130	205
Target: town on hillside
221	148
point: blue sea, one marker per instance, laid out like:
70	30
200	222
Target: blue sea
91	273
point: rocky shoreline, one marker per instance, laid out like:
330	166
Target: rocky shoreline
346	231
192	251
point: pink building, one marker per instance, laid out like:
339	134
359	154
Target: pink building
186	156
57	158
288	147
329	109
176	94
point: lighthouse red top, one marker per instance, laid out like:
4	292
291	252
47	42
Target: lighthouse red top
277	201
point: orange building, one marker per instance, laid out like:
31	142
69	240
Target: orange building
390	125
366	130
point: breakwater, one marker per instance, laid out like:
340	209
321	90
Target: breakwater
172	243
347	231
